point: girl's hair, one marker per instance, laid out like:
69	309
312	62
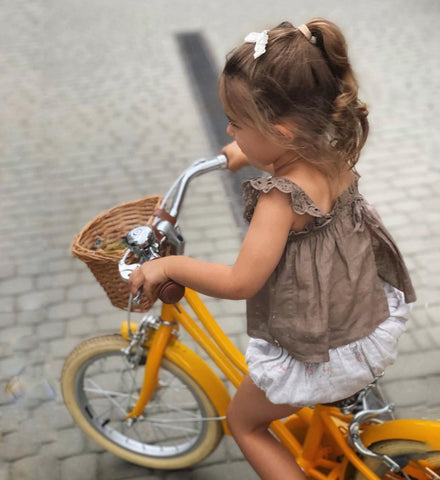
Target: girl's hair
309	87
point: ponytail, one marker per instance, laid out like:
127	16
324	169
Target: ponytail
349	115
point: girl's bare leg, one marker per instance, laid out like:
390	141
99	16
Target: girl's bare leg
249	416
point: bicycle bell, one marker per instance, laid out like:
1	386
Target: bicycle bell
142	241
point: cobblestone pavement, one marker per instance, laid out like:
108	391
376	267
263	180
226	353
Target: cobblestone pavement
97	109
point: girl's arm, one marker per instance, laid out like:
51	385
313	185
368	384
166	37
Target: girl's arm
259	255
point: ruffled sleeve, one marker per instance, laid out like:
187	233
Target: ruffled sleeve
300	201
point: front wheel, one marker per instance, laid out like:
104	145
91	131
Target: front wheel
415	459
100	386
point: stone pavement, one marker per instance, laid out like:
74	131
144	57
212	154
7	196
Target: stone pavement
97	109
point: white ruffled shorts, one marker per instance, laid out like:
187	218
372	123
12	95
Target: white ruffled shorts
350	368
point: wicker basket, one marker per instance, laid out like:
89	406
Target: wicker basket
99	246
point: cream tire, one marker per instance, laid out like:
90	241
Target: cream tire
178	426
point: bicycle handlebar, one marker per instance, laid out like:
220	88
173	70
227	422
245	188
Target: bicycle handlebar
144	241
198	168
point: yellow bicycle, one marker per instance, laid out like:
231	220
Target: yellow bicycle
146	397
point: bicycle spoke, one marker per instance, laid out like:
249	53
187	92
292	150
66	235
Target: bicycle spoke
170	425
132	376
106	393
109	397
165	408
182	410
134	428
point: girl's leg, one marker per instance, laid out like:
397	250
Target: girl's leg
249	416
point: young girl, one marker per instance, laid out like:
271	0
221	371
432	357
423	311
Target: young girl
327	288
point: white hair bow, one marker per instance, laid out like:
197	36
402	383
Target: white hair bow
260	40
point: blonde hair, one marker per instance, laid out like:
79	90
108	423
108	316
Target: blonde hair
309	87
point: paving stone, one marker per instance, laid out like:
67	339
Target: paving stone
68	442
28	342
56	417
18	445
16	285
112	468
4	472
11	366
407	393
224	471
6	305
51	330
12	415
433	312
59	266
52	369
31	267
84	467
8	270
434	332
111	320
79	327
98	305
5	350
36	467
65	310
417	363
84	291
60	348
37	300
7	319
31	317
63	279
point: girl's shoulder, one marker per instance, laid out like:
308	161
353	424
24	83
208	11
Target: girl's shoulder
300	201
312	194
310	199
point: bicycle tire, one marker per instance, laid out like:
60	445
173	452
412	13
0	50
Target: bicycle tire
415	455
100	387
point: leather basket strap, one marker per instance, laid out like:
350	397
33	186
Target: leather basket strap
163	215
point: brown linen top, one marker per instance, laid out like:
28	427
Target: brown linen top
326	290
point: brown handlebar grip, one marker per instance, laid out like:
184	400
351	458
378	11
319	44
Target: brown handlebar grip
170	292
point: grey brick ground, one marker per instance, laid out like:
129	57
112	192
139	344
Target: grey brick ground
97	109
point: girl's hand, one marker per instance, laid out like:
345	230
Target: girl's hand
148	277
236	158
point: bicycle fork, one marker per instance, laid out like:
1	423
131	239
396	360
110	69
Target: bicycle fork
164	329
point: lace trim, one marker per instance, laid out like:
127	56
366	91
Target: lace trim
301	202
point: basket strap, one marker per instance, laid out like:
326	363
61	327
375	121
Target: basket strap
164	215
157	232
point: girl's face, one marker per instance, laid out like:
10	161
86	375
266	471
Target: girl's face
259	149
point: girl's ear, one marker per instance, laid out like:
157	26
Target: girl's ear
285	130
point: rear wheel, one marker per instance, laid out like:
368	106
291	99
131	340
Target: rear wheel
100	386
415	459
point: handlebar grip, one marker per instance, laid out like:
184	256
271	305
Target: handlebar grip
170	292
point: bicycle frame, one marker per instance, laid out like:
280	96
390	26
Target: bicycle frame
317	438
